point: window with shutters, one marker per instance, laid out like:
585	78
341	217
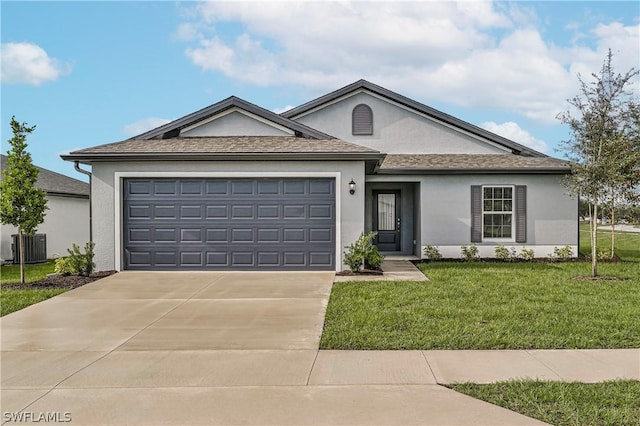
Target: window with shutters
362	120
497	212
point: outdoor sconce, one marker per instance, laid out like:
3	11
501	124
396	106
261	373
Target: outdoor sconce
352	187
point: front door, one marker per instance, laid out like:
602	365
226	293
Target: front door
386	219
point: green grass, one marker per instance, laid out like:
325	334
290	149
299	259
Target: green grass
14	300
602	404
492	306
34	272
627	243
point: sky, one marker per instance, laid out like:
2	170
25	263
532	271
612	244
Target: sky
88	73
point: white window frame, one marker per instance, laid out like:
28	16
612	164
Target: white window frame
512	212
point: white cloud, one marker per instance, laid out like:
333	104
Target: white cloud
283	109
470	54
28	63
144	125
514	132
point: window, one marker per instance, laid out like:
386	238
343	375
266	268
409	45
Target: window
497	212
362	120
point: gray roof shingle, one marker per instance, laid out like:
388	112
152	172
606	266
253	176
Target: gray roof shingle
461	163
56	183
227	146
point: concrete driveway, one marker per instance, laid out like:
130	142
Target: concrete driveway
211	348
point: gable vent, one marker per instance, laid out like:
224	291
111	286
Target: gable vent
362	120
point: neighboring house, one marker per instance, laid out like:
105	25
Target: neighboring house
235	186
67	219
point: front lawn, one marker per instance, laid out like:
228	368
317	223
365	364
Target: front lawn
13	300
32	272
601	404
489	305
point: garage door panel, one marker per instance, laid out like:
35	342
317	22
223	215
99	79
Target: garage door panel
242	212
229	224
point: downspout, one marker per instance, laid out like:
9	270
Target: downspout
84	172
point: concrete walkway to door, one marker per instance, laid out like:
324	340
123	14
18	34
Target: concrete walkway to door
212	348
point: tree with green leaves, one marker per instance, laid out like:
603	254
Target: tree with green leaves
21	203
604	146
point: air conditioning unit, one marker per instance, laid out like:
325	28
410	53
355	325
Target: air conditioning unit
35	248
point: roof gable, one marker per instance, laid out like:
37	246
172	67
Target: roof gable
233	104
363	86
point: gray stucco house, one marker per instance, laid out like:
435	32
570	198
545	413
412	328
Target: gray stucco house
67	220
235	186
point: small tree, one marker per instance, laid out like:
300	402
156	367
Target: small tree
21	203
604	143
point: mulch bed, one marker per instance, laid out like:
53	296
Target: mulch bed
58	282
348	273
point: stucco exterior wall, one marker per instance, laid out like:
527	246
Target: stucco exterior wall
396	130
66	222
445	212
107	205
235	124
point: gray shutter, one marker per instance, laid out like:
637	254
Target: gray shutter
521	213
362	120
476	213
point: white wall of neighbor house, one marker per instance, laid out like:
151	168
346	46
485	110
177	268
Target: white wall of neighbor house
66	222
445	212
107	209
235	123
396	129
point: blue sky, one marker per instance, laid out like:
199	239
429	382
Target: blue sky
87	73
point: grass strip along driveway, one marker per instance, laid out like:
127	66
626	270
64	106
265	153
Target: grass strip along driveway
12	300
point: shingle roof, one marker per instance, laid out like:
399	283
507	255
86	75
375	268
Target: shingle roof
56	183
471	163
417	106
228	147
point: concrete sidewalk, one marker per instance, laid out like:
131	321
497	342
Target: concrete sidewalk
477	366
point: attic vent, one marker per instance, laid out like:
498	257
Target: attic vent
362	120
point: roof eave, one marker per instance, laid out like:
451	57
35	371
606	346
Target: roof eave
475	171
284	156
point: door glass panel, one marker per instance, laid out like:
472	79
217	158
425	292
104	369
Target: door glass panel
386	212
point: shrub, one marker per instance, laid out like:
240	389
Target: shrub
561	254
81	263
373	259
470	253
602	253
63	267
502	253
363	252
432	253
527	254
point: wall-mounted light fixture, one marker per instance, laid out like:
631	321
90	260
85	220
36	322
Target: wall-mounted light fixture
352	187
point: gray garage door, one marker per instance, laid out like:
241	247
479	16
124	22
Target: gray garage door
220	224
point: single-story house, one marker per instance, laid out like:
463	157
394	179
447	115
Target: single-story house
236	186
67	220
